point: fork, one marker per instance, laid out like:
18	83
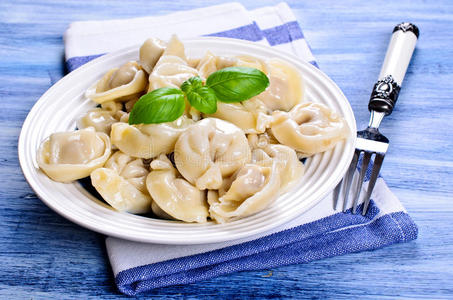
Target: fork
382	101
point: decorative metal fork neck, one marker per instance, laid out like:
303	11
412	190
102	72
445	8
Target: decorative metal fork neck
375	119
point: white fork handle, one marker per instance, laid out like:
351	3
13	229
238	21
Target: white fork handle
399	53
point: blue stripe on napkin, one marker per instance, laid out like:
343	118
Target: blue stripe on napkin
327	237
249	32
283	34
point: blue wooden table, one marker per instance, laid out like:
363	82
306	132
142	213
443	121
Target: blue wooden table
45	256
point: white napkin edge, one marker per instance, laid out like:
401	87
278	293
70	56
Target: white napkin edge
87	38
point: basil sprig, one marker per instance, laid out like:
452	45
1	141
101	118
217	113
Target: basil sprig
201	97
236	84
233	84
159	106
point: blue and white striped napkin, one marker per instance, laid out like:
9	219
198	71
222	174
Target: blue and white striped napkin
319	233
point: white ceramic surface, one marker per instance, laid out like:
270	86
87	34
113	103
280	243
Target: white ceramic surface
58	109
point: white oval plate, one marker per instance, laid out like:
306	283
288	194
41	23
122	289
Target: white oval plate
58	109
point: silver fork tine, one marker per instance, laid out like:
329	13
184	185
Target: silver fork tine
365	162
374	175
349	176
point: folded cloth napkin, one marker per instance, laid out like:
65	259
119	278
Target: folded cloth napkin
319	233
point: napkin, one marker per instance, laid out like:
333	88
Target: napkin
320	233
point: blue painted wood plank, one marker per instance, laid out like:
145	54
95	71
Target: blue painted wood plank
43	256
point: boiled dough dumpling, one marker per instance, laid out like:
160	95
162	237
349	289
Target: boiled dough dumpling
210	150
172	69
175	196
309	128
148	140
150	52
102	118
289	167
68	156
253	188
248	115
285	86
250	62
118	83
121	183
210	63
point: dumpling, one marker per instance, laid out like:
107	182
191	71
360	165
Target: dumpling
68	156
122	183
248	115
150	52
118	83
207	65
211	63
172	69
174	195
309	128
253	188
101	120
148	140
250	62
210	150
285	86
289	167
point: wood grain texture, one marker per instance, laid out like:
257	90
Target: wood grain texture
43	256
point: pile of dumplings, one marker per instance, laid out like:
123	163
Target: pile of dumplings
222	167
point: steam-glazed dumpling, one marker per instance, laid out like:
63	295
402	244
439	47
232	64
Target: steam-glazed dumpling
207	65
174	195
68	156
309	128
211	63
249	115
289	167
148	140
101	120
150	52
250	62
171	69
253	188
285	86
118	83
210	150
121	183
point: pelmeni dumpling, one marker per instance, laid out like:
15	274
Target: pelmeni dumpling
285	86
210	150
148	140
118	83
211	63
249	115
309	128
250	62
175	196
289	167
150	52
172	69
121	183
101	120
68	156
253	188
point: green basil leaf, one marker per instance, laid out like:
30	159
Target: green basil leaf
203	99
159	106
236	84
192	83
